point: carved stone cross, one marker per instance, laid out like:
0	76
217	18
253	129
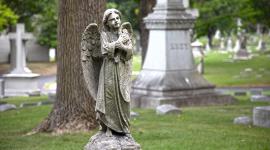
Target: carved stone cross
18	51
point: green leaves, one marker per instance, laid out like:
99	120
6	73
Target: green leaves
7	17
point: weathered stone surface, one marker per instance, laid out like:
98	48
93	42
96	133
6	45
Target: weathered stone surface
6	107
167	109
245	120
261	116
260	98
116	142
164	79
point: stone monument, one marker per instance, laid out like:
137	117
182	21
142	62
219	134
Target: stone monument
169	74
20	81
106	61
242	53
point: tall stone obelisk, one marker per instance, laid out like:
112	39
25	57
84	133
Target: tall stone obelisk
169	74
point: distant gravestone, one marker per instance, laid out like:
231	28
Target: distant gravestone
256	92
6	107
167	109
133	115
20	81
245	120
229	45
222	44
240	93
261	116
260	98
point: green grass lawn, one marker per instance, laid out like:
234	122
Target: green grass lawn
221	71
197	128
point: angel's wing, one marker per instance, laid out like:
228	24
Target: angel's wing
127	25
91	57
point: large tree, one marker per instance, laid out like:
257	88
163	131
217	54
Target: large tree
74	107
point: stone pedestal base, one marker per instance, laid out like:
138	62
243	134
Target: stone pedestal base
21	84
261	116
179	88
116	142
184	98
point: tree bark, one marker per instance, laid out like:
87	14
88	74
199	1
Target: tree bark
146	7
73	109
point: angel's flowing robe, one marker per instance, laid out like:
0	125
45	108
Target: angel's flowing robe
113	98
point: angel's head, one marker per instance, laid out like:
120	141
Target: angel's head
112	19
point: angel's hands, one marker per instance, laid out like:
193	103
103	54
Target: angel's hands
123	38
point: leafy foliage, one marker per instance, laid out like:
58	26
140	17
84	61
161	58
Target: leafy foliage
220	14
45	25
7	16
129	10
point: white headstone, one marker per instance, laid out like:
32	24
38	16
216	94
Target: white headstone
217	34
229	44
52	54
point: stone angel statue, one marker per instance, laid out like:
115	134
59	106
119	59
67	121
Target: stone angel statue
106	57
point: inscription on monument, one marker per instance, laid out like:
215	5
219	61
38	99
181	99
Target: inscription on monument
178	46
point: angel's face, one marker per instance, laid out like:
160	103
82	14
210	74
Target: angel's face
114	21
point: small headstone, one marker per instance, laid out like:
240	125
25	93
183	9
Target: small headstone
256	92
229	44
245	120
261	116
44	103
260	98
6	107
240	93
27	104
133	115
248	70
52	54
222	44
167	109
34	93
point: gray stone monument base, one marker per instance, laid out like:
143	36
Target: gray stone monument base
100	141
185	88
261	116
185	98
21	84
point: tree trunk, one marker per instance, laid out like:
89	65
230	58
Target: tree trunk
74	108
146	7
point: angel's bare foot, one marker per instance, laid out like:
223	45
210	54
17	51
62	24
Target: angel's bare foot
109	132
